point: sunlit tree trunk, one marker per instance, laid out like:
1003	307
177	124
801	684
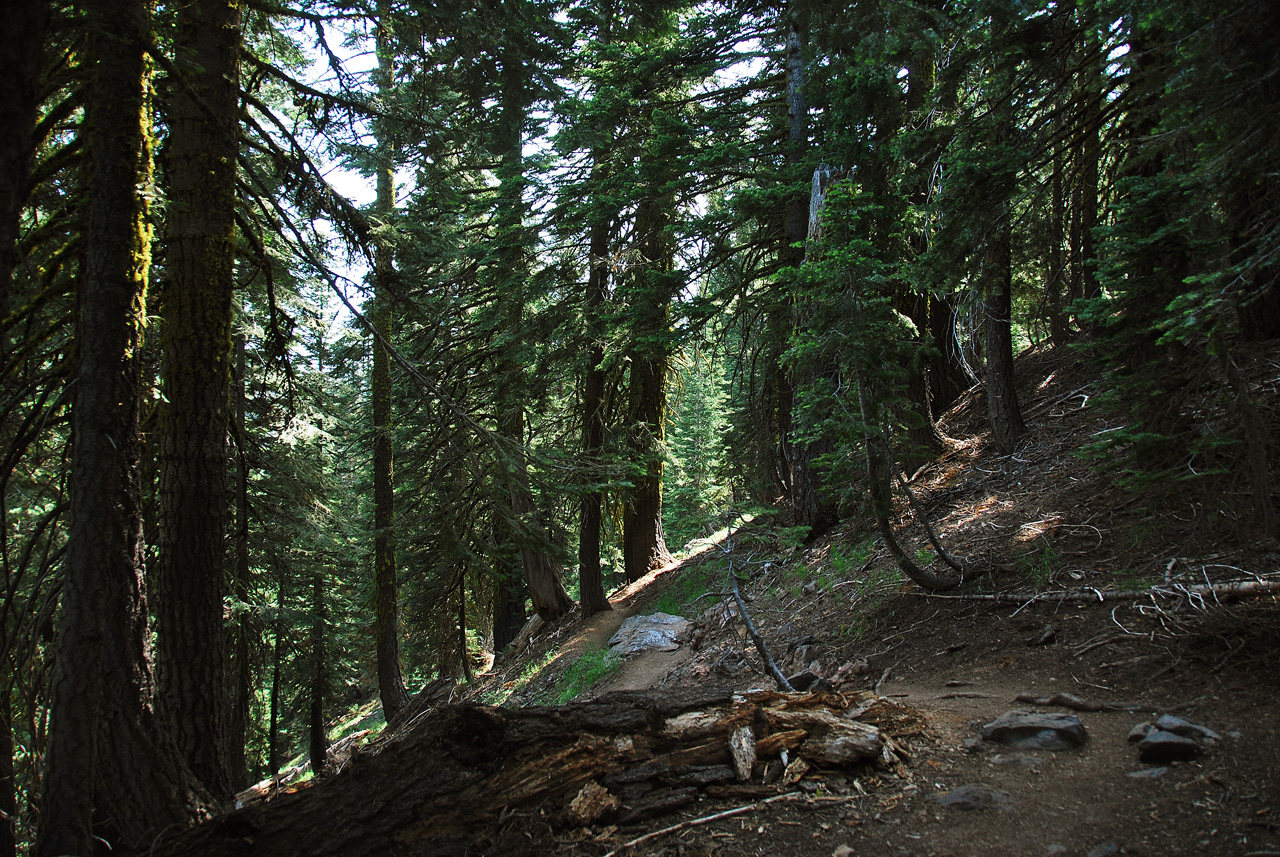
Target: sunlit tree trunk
810	503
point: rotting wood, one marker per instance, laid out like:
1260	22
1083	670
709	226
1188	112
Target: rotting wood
436	785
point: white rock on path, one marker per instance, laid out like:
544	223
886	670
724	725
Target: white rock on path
657	632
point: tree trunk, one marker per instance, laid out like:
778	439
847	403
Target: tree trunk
241	669
277	659
318	743
546	588
644	544
1003	413
8	785
590	579
811	505
105	751
22	58
948	375
386	586
198	307
508	611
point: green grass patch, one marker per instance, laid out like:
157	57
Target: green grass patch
531	671
587	671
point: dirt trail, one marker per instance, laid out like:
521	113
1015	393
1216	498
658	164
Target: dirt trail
1040	521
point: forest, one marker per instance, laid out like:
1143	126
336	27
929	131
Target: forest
341	338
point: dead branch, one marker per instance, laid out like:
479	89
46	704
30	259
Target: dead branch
770	665
1076	703
1196	595
706	819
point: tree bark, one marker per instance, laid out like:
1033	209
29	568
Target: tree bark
199	296
810	503
318	738
644	545
8	784
541	574
590	579
386	585
277	661
106	752
242	673
22	58
1003	413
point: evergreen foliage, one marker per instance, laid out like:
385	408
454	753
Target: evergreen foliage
611	300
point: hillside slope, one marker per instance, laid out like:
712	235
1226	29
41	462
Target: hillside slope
1094	602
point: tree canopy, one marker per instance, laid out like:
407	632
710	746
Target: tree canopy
341	338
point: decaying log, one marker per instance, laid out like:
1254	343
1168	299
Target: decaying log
478	780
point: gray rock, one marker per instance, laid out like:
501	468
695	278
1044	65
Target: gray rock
1160	748
973	796
1187	729
1105	849
657	632
1055	850
1142	730
1032	731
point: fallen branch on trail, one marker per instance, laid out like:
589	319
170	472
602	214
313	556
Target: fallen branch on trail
469	779
1196	594
706	819
1076	703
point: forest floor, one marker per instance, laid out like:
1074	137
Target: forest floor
1088	597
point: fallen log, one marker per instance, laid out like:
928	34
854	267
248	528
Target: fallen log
477	780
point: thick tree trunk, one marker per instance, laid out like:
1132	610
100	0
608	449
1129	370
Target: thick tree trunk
542	576
1003	413
198	307
386	625
105	752
644	544
21	57
508	611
